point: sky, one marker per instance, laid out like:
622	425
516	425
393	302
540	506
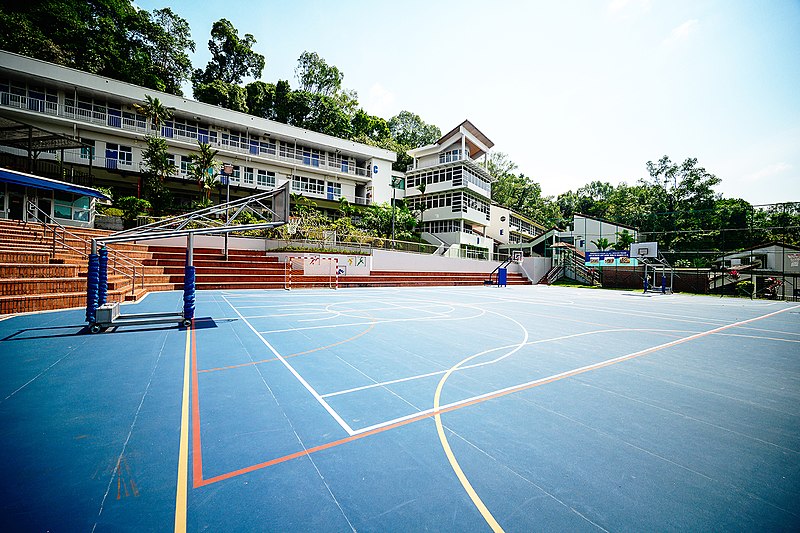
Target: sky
571	90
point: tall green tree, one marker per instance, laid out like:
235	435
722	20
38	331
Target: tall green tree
683	199
410	130
170	38
227	95
107	37
232	59
315	76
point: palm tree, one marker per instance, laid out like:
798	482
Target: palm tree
624	240
204	169
422	187
154	111
601	243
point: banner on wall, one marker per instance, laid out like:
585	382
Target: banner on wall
610	258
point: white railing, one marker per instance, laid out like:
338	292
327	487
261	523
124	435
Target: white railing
139	126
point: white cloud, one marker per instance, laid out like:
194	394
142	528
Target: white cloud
768	172
681	33
380	101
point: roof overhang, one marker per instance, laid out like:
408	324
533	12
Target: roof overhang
23	136
38	182
477	142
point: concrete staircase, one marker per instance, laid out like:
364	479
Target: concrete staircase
44	267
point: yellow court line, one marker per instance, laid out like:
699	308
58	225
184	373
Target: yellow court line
183	453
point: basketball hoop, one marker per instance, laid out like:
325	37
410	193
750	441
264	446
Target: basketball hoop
516	256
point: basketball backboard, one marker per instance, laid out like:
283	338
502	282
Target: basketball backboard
644	249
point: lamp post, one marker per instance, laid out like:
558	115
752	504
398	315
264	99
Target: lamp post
395	183
227	171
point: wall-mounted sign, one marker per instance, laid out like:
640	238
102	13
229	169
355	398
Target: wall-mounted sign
610	258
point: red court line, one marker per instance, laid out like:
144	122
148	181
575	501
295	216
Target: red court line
199	482
197	447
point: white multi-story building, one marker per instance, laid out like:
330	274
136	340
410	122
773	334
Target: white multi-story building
451	190
101	113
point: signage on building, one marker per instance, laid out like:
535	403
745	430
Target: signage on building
610	258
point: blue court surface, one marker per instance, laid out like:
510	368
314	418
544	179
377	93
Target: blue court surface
441	409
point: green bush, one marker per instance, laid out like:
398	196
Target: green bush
113	212
745	288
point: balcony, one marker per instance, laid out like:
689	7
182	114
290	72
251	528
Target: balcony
321	161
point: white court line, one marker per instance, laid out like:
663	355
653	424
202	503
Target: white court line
294	372
758	337
579	370
386	321
531	343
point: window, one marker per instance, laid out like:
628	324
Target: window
248	176
311	157
334	190
237	174
267	147
186	165
450	155
265	178
126	156
71	207
309	185
87	152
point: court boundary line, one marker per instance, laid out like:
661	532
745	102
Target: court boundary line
345	426
200	482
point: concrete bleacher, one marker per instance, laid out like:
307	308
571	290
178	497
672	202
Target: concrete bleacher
39	272
251	269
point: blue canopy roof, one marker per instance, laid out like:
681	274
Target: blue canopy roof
38	182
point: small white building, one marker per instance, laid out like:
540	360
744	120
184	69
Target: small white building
773	256
585	231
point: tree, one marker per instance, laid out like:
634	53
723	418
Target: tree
157	167
260	100
154	111
624	240
422	204
109	38
203	169
683	199
315	76
170	38
232	58
601	243
227	95
366	125
411	131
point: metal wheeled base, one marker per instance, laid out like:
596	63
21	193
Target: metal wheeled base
108	316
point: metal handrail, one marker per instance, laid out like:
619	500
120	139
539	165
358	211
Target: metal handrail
119	263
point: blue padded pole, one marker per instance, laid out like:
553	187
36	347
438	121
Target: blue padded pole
102	285
189	280
92	279
663	283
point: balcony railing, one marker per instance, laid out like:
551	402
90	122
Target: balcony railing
320	161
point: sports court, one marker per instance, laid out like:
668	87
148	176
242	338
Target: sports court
445	409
